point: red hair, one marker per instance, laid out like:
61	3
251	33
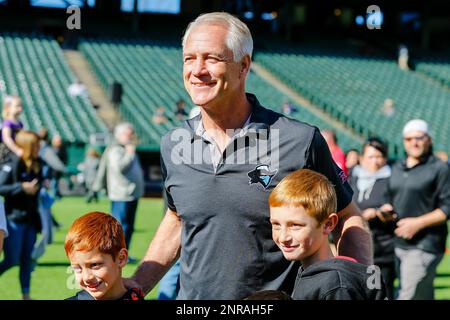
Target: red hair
95	230
308	189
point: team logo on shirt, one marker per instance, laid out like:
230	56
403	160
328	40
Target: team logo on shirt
343	177
261	174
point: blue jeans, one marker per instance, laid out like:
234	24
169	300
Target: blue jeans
170	283
125	213
17	251
46	234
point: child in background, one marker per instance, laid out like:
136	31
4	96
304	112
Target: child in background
95	246
12	109
303	214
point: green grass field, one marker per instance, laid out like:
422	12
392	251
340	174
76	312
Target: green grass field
51	277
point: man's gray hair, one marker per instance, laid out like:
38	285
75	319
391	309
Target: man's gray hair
239	39
121	127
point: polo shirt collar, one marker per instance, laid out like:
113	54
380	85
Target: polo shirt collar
201	132
258	120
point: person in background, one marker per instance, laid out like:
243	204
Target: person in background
351	159
20	182
181	112
12	109
388	107
403	57
159	116
52	166
443	156
50	155
370	181
288	108
77	89
419	192
89	168
336	152
60	150
121	173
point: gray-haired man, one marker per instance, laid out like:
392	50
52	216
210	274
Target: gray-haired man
218	216
419	188
121	168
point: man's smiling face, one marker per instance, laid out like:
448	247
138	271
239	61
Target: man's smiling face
211	77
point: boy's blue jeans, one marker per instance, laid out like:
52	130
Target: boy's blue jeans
125	213
170	283
17	251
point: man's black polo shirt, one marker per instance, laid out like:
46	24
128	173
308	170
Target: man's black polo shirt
419	190
227	251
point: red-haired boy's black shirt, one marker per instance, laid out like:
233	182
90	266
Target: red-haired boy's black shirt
131	294
341	278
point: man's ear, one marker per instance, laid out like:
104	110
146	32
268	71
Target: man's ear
245	65
122	257
330	223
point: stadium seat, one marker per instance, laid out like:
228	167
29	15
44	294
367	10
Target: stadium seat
33	67
353	88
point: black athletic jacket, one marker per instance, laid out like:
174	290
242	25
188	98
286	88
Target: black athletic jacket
19	206
339	279
418	190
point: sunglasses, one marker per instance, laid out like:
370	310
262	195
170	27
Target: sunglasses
420	138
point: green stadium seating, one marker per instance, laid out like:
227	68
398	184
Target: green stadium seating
437	68
150	74
353	89
274	99
33	67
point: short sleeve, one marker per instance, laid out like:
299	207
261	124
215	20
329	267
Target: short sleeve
319	159
443	187
338	294
167	195
7	124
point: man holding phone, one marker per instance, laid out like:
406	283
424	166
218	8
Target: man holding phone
419	190
369	181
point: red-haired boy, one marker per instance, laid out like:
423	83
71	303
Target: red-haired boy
95	246
303	214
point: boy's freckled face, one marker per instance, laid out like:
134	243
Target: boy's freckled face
295	232
98	273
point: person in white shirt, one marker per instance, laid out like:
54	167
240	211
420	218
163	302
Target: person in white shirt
77	89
